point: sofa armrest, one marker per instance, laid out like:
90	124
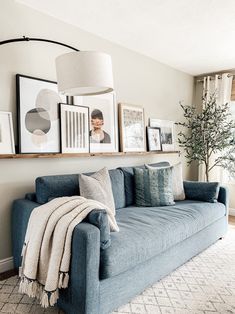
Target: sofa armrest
99	218
224	196
21	210
82	294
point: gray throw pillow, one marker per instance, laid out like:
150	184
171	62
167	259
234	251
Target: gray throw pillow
98	188
153	187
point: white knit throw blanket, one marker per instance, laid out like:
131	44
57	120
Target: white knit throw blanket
47	247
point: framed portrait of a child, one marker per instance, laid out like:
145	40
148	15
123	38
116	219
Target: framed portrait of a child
103	135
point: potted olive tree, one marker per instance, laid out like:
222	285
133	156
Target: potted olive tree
209	132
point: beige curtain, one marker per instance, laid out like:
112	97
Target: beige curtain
221	85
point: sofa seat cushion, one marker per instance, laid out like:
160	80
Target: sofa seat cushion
147	231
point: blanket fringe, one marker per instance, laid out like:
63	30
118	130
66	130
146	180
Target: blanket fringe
22	286
63	280
66	281
34	289
29	287
44	299
60	280
54	297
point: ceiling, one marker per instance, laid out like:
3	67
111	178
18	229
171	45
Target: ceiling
194	36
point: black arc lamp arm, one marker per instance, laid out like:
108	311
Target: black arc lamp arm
12	40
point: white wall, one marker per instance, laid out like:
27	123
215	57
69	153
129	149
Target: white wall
138	80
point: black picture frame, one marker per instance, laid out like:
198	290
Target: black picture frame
72	148
23	133
149	131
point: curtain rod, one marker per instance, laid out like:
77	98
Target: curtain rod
24	38
212	78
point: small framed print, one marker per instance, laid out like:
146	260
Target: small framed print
7	144
74	128
167	133
154	139
132	128
38	115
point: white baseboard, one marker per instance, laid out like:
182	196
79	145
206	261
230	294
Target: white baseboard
6	264
232	211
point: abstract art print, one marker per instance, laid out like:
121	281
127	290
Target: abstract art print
102	122
74	128
7	145
132	128
38	115
167	133
154	139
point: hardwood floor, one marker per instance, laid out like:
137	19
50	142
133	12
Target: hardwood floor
231	220
8	274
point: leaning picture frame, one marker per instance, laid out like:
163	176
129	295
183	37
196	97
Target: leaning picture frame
132	128
103	124
167	132
7	144
38	115
154	139
74	128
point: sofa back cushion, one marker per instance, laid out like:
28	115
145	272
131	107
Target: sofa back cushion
48	187
129	180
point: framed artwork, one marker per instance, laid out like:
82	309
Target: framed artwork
38	115
154	139
7	144
167	133
74	129
132	128
102	122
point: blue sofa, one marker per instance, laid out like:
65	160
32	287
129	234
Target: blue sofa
152	241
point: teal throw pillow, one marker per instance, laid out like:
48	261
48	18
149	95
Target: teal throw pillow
153	187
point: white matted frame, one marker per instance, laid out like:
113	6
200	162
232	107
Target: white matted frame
7	144
74	128
167	133
102	118
132	128
38	115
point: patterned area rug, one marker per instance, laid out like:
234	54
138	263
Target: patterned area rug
205	284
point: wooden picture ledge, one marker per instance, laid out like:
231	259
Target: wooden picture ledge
60	155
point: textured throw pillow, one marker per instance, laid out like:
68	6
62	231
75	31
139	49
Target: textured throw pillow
177	181
98	188
153	187
202	191
129	180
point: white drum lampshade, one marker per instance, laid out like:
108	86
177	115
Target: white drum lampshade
84	73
